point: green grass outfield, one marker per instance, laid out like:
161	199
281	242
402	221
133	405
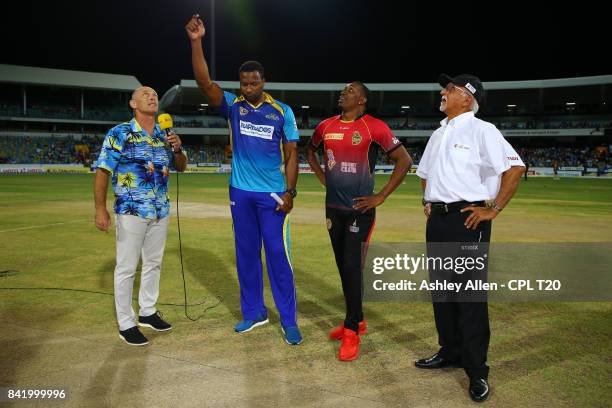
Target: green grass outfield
541	354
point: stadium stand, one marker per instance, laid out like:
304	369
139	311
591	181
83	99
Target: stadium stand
50	116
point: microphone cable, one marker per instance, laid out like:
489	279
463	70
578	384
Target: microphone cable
96	292
178	225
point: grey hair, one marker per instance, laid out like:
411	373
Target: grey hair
474	106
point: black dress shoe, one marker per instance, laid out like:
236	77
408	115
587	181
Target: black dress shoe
479	389
434	361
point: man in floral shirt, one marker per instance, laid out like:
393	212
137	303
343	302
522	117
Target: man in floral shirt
136	154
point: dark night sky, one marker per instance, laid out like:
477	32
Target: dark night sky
313	40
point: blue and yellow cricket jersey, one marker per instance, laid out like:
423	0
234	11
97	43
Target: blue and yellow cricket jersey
257	134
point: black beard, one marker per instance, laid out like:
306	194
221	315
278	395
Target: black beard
253	99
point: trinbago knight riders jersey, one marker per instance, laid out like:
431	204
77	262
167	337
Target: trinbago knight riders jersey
350	150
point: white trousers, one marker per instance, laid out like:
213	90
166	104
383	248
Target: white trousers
138	237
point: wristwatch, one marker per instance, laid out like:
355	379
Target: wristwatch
292	191
496	207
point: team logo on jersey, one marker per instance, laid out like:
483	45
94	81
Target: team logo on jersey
395	140
348	167
354	228
272	116
356	138
331	162
243	111
329	224
333	136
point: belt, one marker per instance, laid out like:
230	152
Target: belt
447	208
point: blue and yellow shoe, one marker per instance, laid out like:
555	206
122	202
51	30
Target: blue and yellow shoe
292	335
248	325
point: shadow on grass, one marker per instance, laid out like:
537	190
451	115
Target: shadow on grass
549	341
106	272
121	373
21	350
334	304
217	275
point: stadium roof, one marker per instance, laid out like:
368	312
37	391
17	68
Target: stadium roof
187	93
17	74
403	87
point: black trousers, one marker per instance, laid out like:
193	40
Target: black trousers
350	232
463	327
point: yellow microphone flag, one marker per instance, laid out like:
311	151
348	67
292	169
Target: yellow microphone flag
165	121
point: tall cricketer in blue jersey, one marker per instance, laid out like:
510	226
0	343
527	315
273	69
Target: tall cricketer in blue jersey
263	135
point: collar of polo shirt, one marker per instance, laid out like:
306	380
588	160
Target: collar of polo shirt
457	119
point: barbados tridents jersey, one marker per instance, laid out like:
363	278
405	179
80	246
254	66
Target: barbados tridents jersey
349	152
257	134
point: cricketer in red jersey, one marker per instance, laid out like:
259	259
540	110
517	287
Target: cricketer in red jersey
350	147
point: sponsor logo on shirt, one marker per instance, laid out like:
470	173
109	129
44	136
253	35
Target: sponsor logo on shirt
460	146
348	167
333	136
261	131
272	116
513	158
395	140
354	228
330	159
356	139
243	111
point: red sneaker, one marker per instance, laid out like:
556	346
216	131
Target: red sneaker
349	348
336	334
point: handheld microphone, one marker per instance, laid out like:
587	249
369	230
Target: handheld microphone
166	124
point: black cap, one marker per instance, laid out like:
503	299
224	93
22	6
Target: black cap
469	82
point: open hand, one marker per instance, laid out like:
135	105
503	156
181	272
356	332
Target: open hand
366	203
478	215
427	210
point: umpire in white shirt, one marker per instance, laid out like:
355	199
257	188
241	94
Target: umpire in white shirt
466	163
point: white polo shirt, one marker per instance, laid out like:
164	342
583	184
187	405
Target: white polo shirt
464	160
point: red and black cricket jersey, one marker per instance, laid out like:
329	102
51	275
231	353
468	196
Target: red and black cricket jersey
350	150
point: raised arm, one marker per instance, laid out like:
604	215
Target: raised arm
195	31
